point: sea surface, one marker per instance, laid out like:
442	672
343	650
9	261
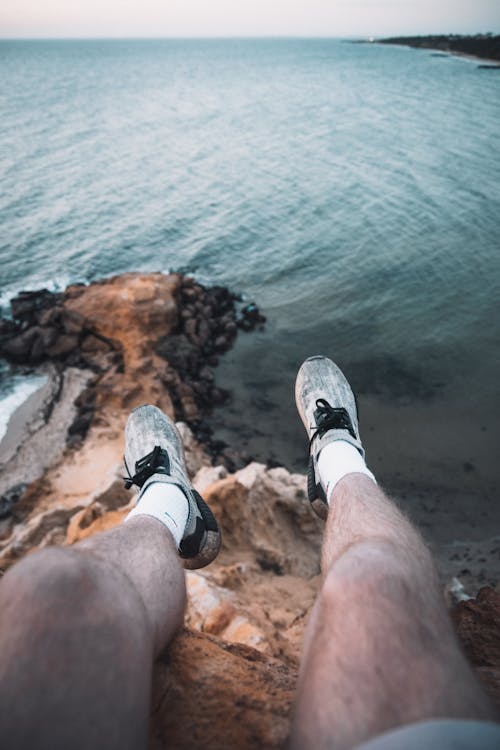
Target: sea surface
351	190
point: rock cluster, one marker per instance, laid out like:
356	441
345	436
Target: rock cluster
43	328
119	326
207	327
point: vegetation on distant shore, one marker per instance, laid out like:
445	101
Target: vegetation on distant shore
485	46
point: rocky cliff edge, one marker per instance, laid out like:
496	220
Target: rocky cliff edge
106	348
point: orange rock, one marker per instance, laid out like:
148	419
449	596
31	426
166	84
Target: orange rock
211	695
92	520
132	311
477	622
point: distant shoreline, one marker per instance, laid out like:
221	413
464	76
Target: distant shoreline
480	46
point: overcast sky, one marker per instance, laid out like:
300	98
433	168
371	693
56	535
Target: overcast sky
116	18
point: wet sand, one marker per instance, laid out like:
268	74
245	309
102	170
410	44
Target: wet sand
28	417
32	442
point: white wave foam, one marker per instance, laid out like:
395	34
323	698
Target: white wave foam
57	284
20	388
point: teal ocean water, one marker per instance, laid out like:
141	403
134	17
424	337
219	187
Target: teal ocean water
351	190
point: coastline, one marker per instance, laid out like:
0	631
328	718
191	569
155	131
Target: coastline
105	348
482	48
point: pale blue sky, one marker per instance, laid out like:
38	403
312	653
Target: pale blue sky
137	18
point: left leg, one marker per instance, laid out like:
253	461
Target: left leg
80	627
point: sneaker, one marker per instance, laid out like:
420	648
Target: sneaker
154	453
327	407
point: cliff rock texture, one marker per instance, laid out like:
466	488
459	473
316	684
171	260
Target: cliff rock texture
106	348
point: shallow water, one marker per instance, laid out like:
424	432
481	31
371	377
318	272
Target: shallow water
14	391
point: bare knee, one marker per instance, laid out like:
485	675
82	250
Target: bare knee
380	565
53	573
58	586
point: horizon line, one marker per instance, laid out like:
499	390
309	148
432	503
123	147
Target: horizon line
368	37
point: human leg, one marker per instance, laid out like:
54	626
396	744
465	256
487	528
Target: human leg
80	627
379	649
79	630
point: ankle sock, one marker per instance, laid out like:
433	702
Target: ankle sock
338	459
168	504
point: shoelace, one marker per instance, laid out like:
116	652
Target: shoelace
329	417
156	462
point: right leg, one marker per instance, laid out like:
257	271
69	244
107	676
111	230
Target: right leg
379	648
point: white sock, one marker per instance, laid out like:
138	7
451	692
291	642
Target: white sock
168	504
338	459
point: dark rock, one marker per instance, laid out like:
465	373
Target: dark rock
185	390
203	331
50	317
86	399
231	459
219	396
99	361
72	322
27	304
38	350
9	500
8	330
221	343
207	374
179	352
189	408
190	329
48	336
92	344
80	424
63	346
199	387
170	378
251	317
18	349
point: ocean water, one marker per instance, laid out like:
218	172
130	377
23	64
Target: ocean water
15	390
351	190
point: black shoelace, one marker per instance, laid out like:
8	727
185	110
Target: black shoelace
156	462
330	418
